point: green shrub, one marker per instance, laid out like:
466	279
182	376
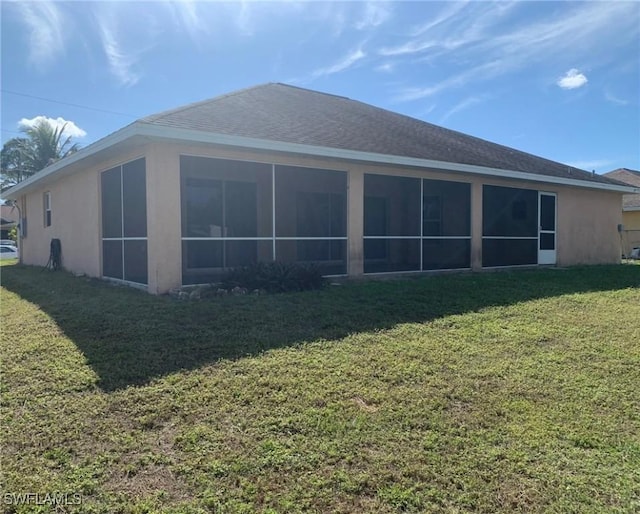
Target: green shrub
275	277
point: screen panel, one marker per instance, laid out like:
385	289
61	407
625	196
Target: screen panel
134	199
310	202
446	254
388	255
135	261
509	252
111	192
509	212
391	205
112	259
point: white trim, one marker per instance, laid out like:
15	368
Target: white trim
445	237
548	256
149	130
516	266
256	238
631	209
273	212
226	238
120	281
415	237
414	271
125	238
421	222
311	238
103	144
511	237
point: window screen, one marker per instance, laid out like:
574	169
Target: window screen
124	222
510	226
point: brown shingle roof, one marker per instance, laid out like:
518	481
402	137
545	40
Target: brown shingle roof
279	112
632	178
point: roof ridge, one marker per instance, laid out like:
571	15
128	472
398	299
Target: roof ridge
307	90
192	105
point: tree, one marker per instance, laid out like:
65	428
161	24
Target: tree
43	145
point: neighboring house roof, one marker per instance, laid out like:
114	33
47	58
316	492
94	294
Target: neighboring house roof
632	178
290	119
8	215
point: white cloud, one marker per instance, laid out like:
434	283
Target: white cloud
477	73
70	128
464	104
121	63
46	35
375	14
187	16
346	62
573	79
501	46
386	67
610	97
450	11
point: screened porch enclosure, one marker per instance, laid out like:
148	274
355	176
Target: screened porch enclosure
413	224
237	213
509	226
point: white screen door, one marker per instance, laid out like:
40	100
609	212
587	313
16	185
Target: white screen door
547	214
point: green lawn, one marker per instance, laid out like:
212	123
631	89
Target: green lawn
494	392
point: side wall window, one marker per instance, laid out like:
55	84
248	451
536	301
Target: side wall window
47	208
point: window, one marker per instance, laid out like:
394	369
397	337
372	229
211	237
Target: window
47	209
124	222
509	226
413	224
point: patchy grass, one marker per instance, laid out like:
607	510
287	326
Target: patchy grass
497	392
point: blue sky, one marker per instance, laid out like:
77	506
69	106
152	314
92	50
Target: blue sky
559	80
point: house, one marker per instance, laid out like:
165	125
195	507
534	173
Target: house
280	172
630	209
8	220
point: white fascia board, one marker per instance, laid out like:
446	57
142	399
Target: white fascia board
83	153
631	209
197	136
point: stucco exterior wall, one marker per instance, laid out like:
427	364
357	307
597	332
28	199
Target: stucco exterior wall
586	229
75	212
75	218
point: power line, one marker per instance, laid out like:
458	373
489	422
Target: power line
6	91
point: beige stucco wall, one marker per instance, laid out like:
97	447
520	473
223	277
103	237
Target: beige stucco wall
75	214
588	227
75	219
587	219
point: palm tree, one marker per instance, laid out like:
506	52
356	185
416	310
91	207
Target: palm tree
46	144
43	145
